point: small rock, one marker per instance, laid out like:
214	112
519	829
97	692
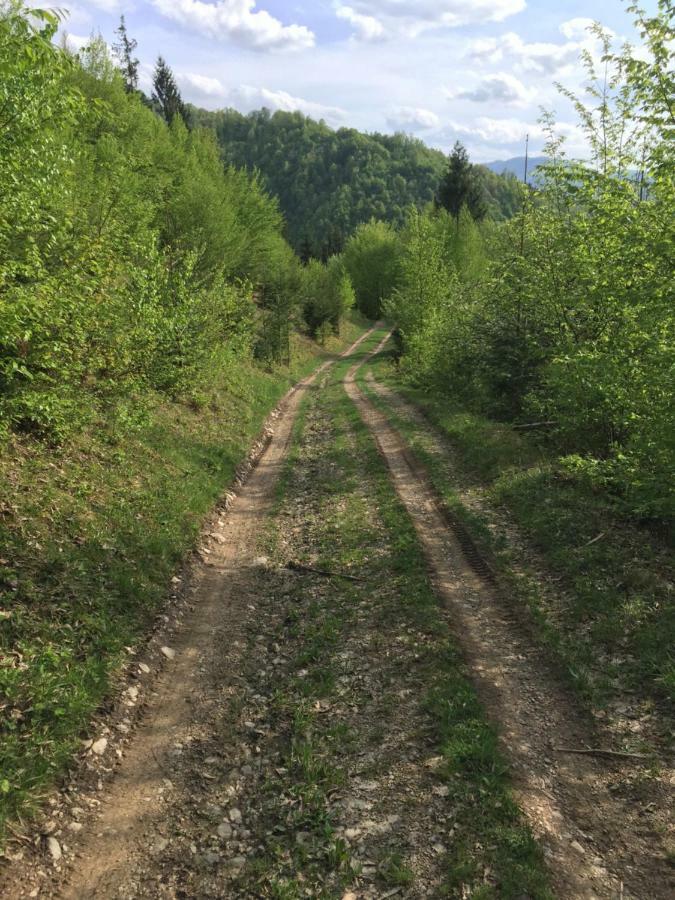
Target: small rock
237	862
144	668
75	827
576	846
441	790
260	561
439	849
225	831
99	746
49	827
211	858
175	580
132	693
160	845
168	652
235	816
349	896
54	848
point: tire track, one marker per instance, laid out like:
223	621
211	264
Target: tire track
118	841
590	838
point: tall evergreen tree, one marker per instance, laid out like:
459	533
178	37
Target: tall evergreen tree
124	51
461	186
166	95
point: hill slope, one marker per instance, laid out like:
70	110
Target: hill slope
328	182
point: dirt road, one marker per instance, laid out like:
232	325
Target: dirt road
285	747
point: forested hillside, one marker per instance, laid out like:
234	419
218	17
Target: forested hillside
328	182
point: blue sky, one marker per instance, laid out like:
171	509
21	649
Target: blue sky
477	71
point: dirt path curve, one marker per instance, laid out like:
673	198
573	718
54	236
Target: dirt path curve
592	840
132	809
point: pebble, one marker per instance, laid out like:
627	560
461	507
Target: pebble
168	652
75	827
161	844
225	831
211	858
54	848
144	668
99	746
235	815
237	862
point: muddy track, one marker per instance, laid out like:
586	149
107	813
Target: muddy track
124	821
596	844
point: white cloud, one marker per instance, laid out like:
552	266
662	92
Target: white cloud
412	118
245	98
576	28
508	134
238	21
542	57
367	28
501	88
412	17
75	42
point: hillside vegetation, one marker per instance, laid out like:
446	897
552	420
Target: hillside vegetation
151	314
545	349
329	182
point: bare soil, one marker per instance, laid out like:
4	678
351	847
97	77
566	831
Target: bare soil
184	782
599	845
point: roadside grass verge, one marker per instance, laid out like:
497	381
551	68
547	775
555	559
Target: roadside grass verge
606	604
90	533
337	510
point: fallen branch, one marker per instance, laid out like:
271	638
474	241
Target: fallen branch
594	540
535	425
297	567
602	752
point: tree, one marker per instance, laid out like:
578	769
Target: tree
166	95
123	49
461	186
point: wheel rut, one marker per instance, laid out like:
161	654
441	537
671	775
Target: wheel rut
593	841
124	821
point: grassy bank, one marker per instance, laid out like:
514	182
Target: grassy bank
605	603
375	684
90	533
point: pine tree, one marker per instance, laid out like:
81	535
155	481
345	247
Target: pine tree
166	95
461	186
123	50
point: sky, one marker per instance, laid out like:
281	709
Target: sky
479	71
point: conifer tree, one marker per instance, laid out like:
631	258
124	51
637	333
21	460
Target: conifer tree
124	50
166	95
461	186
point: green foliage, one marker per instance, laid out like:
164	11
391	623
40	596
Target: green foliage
128	253
572	321
165	93
372	258
461	187
330	182
326	294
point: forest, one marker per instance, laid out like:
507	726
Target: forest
328	182
194	304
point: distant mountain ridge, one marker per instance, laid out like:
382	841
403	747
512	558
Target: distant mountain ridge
516	165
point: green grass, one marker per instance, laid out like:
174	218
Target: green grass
615	627
90	534
353	522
